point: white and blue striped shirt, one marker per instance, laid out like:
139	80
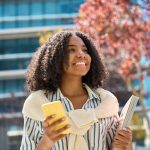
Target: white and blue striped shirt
98	137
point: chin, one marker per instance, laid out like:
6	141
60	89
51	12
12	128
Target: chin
81	74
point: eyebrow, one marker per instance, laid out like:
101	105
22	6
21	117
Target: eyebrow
75	45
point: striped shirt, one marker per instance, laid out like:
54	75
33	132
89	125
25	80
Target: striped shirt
98	137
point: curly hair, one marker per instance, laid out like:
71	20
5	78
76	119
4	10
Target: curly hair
45	69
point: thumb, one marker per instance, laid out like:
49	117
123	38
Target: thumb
120	122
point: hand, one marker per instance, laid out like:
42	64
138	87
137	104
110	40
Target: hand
49	129
122	139
51	135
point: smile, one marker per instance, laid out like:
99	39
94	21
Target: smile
80	63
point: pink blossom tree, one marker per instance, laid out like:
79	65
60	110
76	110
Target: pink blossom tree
122	37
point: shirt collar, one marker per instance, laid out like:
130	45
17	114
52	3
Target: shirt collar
91	93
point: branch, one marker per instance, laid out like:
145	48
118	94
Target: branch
145	2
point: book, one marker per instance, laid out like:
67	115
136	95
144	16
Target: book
128	110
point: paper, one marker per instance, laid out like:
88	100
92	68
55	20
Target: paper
128	110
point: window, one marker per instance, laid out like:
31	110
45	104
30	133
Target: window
8	25
18	45
22	24
70	6
50	7
23	9
9	9
1	7
37	8
14	64
37	23
11	86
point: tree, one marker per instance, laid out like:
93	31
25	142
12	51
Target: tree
122	35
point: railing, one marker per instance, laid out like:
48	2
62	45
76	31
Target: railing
15	56
38	17
30	31
12	74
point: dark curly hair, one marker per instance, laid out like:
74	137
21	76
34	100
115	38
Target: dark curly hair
45	69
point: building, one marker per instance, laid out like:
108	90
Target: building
20	25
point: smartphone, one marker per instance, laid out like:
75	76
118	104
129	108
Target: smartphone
56	108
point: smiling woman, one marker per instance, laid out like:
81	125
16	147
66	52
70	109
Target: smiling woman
78	59
68	68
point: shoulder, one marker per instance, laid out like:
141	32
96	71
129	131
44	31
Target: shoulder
105	94
108	100
33	103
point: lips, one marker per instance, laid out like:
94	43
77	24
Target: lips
80	63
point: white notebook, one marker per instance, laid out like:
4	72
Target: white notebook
128	110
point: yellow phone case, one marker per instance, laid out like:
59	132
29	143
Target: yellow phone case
57	108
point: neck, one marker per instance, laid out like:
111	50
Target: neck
71	86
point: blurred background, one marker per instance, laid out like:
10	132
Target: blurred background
121	29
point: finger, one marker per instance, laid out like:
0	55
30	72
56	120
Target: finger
120	147
57	122
63	128
51	127
45	124
59	137
117	146
125	134
120	122
124	137
124	131
121	140
59	131
128	129
47	120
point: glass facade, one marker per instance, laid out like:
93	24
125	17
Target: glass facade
14	64
21	21
16	14
12	86
12	57
31	13
14	46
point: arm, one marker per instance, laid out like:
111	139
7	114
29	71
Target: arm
123	138
31	134
111	132
51	135
33	139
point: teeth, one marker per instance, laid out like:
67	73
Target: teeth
80	63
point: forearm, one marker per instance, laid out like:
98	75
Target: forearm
44	144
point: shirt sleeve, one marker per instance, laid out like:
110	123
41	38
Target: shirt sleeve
32	133
111	132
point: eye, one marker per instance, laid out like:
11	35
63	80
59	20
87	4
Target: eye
71	49
85	50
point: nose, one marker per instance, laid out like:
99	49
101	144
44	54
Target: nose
80	54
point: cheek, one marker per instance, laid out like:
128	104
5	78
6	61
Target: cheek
65	67
89	60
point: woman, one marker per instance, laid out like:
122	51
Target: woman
68	68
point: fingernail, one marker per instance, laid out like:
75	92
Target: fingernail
125	129
63	118
53	116
68	125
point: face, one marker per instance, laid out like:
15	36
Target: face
79	60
